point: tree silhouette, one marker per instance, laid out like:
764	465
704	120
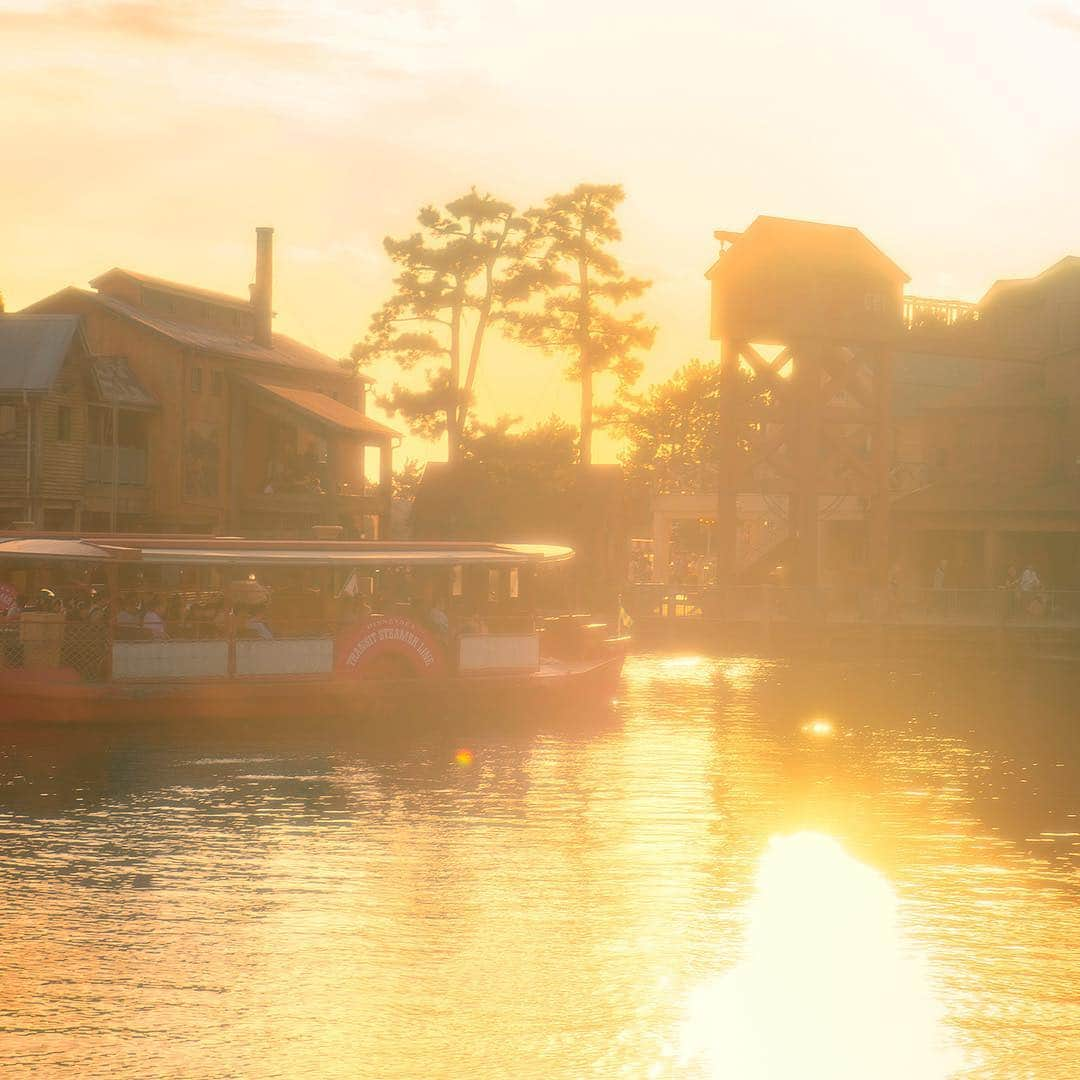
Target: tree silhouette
567	258
449	291
675	431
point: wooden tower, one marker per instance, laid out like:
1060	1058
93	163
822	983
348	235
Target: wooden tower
807	316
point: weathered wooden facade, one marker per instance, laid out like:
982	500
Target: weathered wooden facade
205	420
43	419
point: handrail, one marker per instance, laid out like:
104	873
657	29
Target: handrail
854	603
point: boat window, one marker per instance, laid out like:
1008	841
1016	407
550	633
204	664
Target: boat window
457	581
514	583
493	586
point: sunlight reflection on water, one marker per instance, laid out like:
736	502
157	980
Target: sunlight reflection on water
827	987
687	886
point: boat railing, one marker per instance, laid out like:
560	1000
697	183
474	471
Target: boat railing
502	643
853	603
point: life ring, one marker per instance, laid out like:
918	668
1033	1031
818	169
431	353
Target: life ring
389	646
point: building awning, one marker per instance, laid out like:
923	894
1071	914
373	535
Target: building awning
323	408
116	383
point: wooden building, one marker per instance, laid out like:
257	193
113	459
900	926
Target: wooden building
807	316
1001	454
200	418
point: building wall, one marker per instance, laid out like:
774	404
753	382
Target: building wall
1011	447
63	463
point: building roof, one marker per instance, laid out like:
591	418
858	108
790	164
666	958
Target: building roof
814	242
116	383
324	408
284	353
1004	286
177	287
32	350
991	498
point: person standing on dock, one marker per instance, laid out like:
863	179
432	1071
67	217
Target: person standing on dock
940	575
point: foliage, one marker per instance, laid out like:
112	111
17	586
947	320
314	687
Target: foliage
567	259
548	444
406	480
675	430
449	290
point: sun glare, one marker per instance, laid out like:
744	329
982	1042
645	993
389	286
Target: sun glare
827	986
819	728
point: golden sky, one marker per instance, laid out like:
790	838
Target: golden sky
157	135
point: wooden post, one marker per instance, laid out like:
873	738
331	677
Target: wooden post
806	385
114	509
881	436
727	524
386	488
112	578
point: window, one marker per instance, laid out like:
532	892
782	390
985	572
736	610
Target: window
515	583
457	581
63	423
9	420
196	380
217	383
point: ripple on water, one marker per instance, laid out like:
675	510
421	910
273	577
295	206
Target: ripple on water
582	896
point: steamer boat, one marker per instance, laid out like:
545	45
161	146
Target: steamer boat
130	629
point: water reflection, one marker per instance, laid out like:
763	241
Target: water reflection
541	897
827	986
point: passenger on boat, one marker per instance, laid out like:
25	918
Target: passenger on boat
17	607
127	618
256	623
154	618
439	620
98	612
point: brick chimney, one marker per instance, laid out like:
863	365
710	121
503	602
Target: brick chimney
262	292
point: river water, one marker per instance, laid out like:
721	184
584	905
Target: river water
742	869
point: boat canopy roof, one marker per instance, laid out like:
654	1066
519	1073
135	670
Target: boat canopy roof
231	552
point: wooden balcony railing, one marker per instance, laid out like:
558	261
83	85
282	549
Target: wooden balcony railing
131	465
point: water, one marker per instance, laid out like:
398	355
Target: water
743	869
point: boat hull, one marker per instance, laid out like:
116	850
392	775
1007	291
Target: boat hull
57	698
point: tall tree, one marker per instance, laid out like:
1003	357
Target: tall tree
568	258
448	292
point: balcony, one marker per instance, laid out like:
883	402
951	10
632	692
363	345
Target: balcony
130	465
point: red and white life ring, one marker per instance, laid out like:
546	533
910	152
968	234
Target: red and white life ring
389	646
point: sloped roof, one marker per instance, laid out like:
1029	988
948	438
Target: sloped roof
115	382
805	241
32	350
173	287
324	408
1012	285
285	352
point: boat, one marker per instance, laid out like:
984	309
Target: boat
136	628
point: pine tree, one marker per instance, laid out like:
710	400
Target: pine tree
567	258
449	291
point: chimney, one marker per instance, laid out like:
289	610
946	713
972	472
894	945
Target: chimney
262	292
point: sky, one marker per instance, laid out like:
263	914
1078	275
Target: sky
156	136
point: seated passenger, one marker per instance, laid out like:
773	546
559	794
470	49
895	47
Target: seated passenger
128	615
256	623
439	620
154	619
